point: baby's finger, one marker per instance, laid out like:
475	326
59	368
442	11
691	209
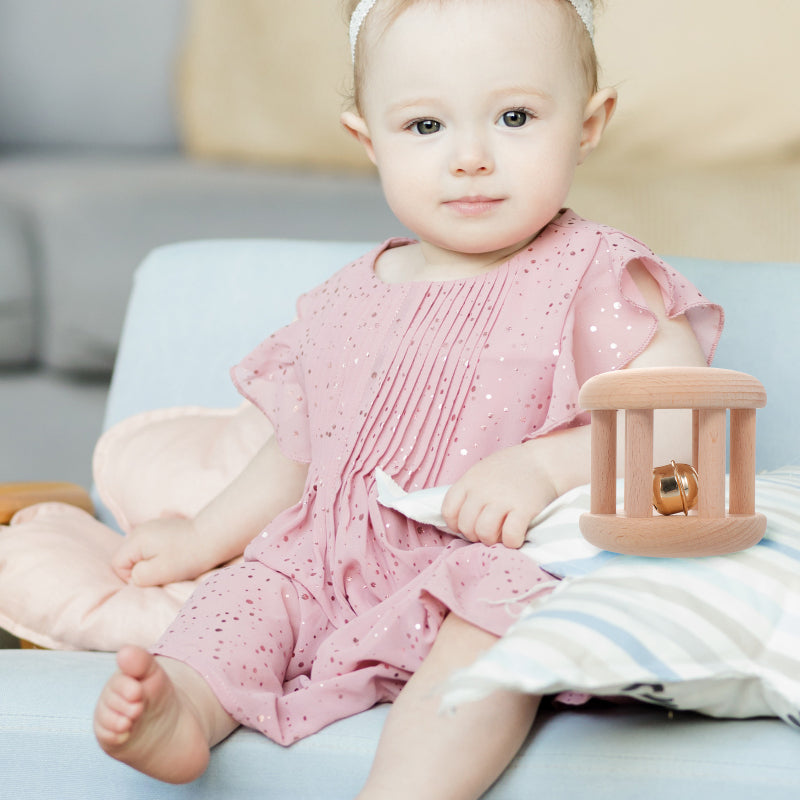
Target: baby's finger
515	529
124	560
489	525
451	506
149	572
467	519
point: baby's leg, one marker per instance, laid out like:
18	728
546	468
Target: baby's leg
425	754
159	716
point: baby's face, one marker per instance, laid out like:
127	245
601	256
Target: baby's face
475	115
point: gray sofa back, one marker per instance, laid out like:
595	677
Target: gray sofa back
88	73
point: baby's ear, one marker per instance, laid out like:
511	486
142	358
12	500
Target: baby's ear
357	126
597	115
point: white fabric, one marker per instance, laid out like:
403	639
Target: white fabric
425	506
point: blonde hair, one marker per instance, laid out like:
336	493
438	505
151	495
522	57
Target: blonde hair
390	10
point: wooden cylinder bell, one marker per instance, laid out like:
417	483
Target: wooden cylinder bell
704	527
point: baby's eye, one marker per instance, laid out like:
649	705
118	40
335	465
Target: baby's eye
515	118
425	127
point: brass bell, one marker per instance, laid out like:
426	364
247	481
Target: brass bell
675	488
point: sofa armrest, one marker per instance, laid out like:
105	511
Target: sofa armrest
16	496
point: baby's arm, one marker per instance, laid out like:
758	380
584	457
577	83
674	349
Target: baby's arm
166	550
496	499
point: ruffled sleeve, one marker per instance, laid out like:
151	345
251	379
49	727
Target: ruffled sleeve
609	323
271	377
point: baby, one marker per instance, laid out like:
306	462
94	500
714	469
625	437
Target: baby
454	359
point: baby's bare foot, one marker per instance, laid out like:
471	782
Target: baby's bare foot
143	720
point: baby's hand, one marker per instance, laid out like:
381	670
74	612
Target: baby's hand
159	552
496	500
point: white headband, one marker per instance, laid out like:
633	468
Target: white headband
583	7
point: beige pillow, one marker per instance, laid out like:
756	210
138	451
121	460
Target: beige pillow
265	81
700	82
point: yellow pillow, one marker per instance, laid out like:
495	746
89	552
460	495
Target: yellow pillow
264	81
701	83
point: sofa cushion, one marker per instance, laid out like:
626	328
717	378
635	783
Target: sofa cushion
17	310
88	73
98	217
49	750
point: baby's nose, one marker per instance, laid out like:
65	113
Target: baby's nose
471	156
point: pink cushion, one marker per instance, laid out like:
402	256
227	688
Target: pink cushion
57	587
171	462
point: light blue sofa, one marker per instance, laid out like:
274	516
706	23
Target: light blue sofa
195	309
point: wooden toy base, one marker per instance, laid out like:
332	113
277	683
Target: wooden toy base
16	496
675	536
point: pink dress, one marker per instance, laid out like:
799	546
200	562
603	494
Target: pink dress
339	599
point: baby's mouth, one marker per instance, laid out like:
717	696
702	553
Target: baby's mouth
473	205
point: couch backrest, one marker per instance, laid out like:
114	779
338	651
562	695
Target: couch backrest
761	337
197	308
89	73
